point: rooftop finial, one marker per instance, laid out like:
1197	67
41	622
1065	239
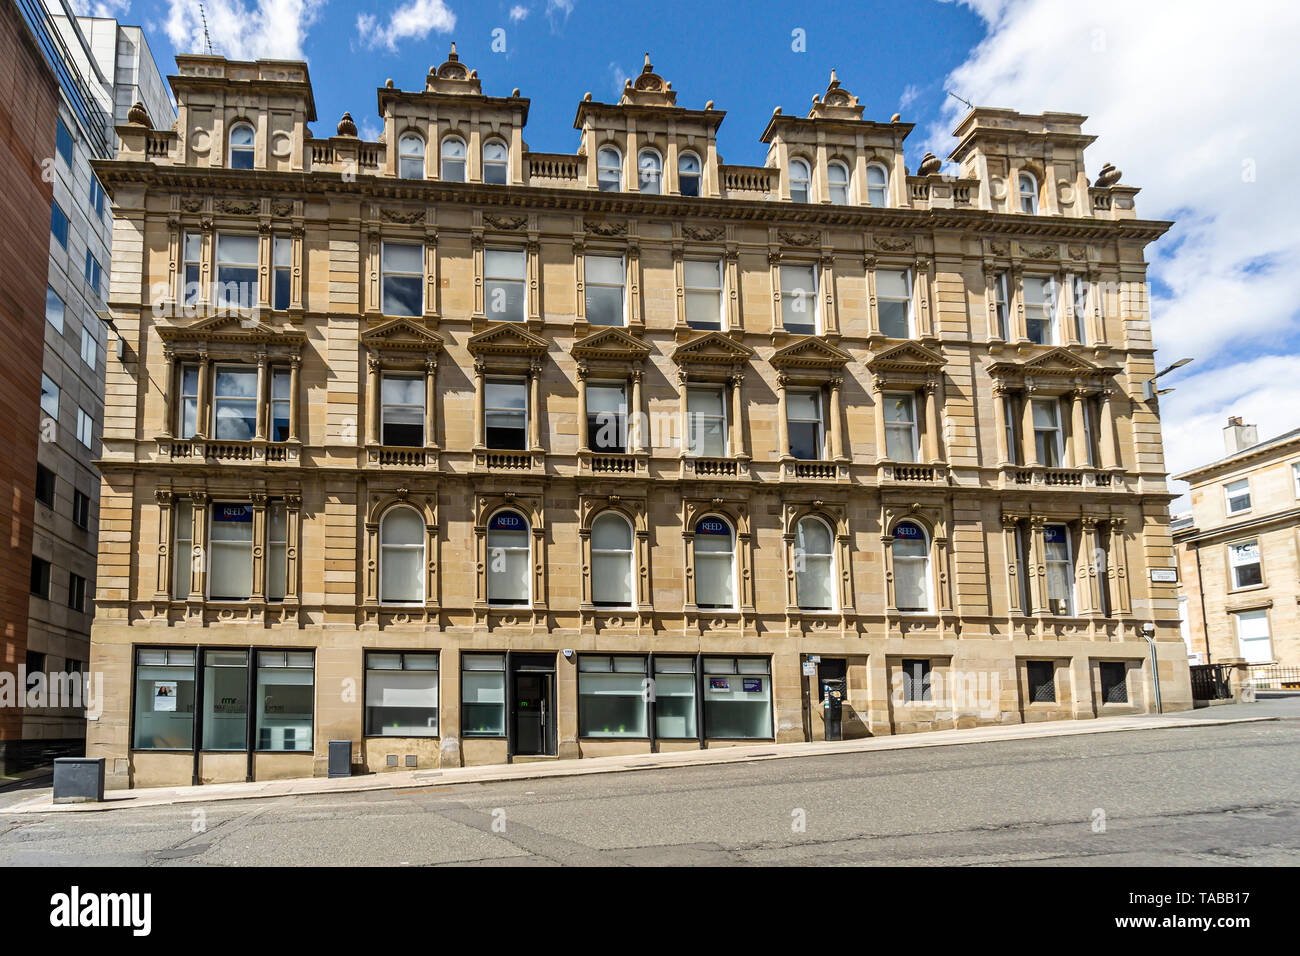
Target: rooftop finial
452	54
647	68
835	80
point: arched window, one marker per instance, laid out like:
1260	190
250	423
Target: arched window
715	563
649	172
611	561
410	156
911	567
1028	194
401	556
814	564
688	174
837	178
241	146
508	559
877	185
609	169
496	162
800	180
453	159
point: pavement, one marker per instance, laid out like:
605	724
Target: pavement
40	800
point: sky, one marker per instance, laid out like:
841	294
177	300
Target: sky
1190	103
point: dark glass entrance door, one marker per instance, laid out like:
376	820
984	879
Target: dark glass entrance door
832	685
533	711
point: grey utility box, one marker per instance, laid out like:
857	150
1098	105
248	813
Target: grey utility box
340	758
78	779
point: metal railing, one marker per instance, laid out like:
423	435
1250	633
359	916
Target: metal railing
1211	682
1274	677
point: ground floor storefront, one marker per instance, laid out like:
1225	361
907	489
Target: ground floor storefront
178	714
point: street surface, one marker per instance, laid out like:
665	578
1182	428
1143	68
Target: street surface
1213	795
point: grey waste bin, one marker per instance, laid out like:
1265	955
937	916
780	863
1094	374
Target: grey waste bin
78	779
340	758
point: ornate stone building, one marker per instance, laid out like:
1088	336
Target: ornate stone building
499	454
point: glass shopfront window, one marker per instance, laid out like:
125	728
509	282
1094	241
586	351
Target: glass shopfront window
737	698
225	700
483	695
286	683
401	695
611	696
675	697
164	699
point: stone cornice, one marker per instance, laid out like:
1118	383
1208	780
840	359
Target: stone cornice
365	187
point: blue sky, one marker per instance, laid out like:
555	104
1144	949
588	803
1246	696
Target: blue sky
1172	89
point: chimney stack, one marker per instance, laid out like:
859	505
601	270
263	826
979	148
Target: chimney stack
1238	437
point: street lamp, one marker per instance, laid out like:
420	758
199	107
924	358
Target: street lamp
1149	390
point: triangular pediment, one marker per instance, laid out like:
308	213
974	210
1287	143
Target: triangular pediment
612	344
712	348
230	328
907	357
809	353
506	340
402	333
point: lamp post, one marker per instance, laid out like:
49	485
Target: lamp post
1149	390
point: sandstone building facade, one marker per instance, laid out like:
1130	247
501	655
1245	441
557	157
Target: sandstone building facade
464	453
1239	552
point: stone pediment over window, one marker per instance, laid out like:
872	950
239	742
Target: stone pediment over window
611	345
907	358
231	330
1057	364
810	353
402	334
506	340
712	348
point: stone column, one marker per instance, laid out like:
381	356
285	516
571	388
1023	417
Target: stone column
1078	429
168	390
259	545
534	406
737	439
783	426
295	368
260	431
837	437
480	437
1027	442
932	421
1091	573
1037	560
882	446
636	438
292	531
1107	441
166	511
582	408
1002	419
198	547
373	385
430	405
205	402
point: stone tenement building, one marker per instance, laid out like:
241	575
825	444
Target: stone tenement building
496	454
1239	552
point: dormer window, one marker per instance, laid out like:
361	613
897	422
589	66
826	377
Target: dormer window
649	172
837	178
1028	194
496	162
453	159
241	146
877	185
609	169
688	174
410	156
800	180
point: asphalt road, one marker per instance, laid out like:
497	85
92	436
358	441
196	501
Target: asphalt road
1213	795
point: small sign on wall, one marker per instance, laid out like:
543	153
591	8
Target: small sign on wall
1164	575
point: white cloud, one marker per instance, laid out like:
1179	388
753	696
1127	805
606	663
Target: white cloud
557	12
1188	103
412	20
619	77
274	29
518	13
908	97
113	9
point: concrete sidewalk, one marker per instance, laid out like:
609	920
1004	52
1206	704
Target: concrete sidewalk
42	801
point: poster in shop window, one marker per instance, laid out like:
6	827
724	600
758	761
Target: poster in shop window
164	696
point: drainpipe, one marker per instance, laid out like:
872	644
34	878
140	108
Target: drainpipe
1200	589
1148	630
